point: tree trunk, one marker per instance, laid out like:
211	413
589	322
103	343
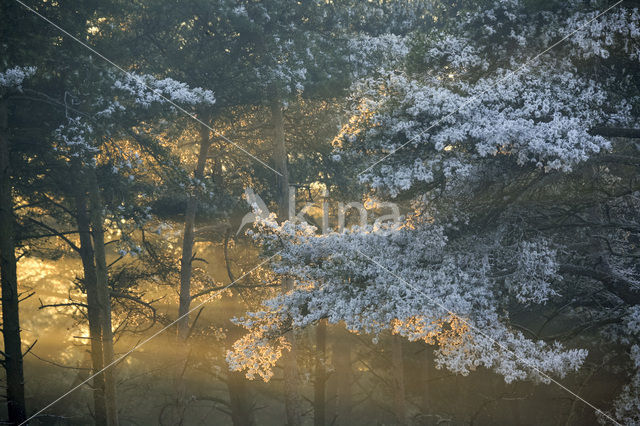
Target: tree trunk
104	298
280	159
93	306
342	364
189	238
397	377
186	271
319	397
9	278
293	402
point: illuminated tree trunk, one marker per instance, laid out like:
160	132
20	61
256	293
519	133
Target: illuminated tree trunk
189	238
397	373
93	306
9	278
293	402
319	398
104	298
342	364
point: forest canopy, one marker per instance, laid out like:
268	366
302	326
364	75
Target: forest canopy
328	212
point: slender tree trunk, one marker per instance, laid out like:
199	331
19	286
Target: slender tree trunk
397	373
93	306
293	402
319	396
189	238
342	364
186	271
280	159
104	298
9	278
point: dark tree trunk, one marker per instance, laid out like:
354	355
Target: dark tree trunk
280	159
93	306
104	298
186	272
319	396
189	238
9	278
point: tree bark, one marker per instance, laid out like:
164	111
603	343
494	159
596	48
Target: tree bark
397	377
319	396
186	272
93	305
280	159
189	238
104	298
13	362
293	402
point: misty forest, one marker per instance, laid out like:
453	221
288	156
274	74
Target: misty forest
320	212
